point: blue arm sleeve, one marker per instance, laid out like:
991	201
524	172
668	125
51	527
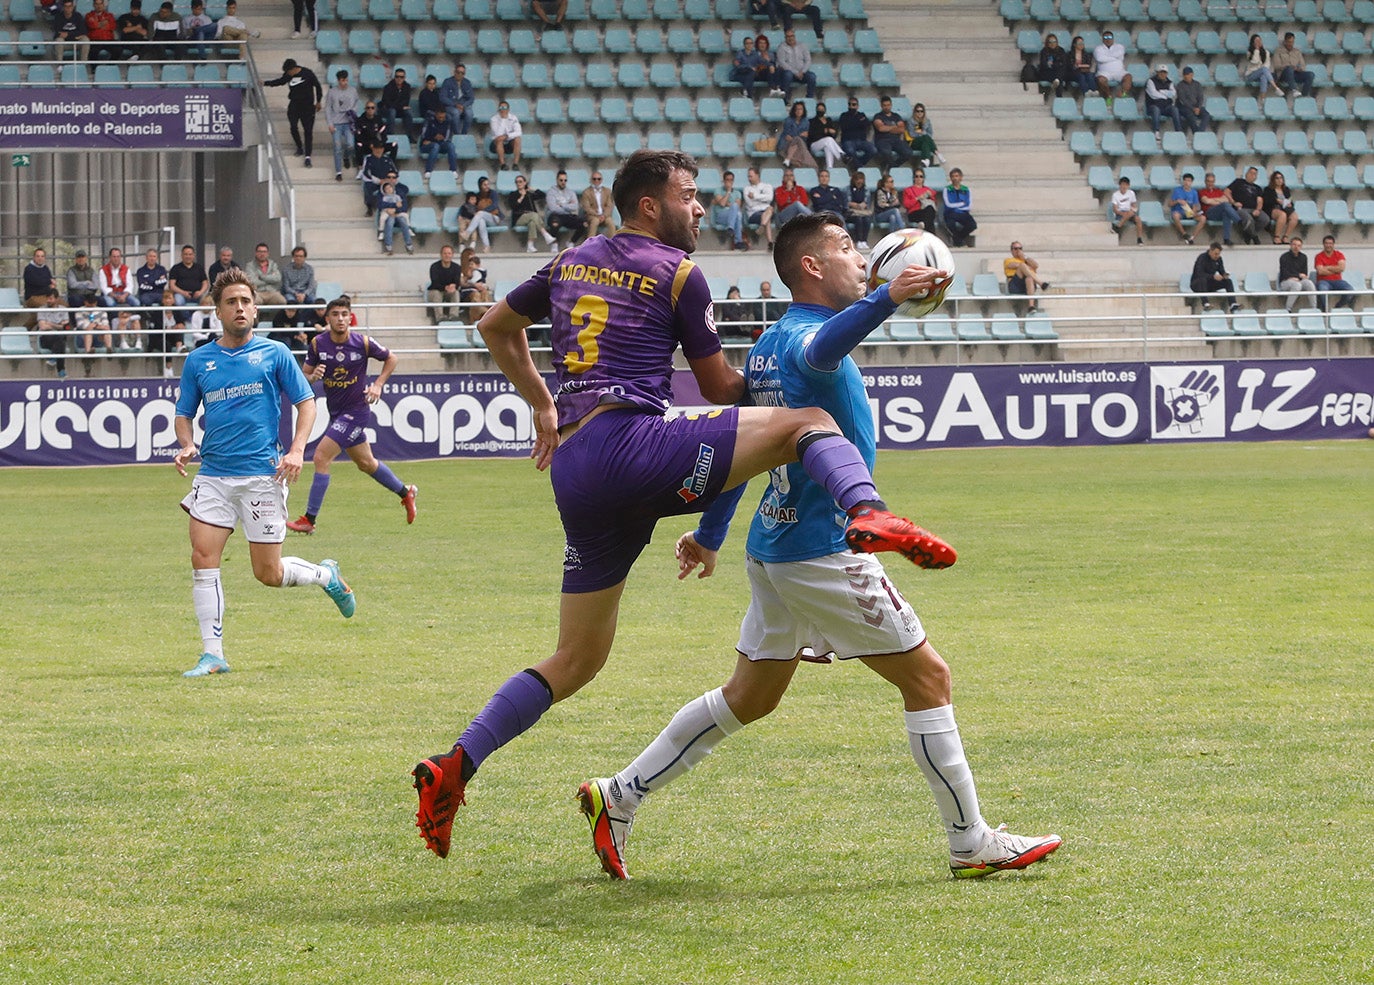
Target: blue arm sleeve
842	332
715	522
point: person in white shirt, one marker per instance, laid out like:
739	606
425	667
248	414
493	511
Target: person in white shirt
794	65
117	290
505	136
1161	100
758	205
1126	209
230	28
1109	65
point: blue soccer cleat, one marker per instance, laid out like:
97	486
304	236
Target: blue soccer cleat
338	590
208	664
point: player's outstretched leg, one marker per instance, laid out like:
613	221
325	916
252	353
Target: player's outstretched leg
337	589
387	478
1001	851
408	501
610	827
207	595
872	529
440	782
319	485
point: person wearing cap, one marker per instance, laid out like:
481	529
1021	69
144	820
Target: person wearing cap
303	99
1190	102
82	280
132	29
1109	65
1161	99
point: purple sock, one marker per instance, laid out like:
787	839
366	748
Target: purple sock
515	707
388	478
835	463
318	487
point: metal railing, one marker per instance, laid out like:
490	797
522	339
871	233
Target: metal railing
281	192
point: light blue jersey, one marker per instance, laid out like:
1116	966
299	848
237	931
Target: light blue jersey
242	391
797	519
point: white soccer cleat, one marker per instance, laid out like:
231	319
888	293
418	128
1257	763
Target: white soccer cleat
1000	851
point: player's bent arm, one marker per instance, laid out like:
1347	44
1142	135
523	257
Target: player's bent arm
185	435
388	367
841	332
503	330
719	382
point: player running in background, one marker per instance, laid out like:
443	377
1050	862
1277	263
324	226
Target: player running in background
240	379
619	308
810	597
339	357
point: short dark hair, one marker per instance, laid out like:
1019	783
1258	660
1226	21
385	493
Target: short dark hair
800	235
298	248
1215	245
1186	174
646	172
342	301
262	246
227	279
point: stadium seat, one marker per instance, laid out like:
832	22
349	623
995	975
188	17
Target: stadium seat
971	328
618	41
710	110
1144	144
1083	144
867	42
1065	109
600	75
458	41
1265	143
563	146
742	110
695	75
1325	143
1216	326
1306	211
1315	178
1247	108
1005	327
512	10
1205	143
503	77
647	109
535	75
1114	144
1152	214
465	146
1095	108
581	109
1310	321
451	334
712	41
1173	143
104	75
1101	178
726	146
1279	323
442	184
615	109
1162	178
1296	144
663	74
1039	328
1364	211
1245	323
631	76
596	146
1336	212
649	41
691	142
1235	143
586	41
1343	321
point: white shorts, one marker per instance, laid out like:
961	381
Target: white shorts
258	501
841	605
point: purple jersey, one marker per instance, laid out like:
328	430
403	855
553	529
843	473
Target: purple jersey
345	370
619	306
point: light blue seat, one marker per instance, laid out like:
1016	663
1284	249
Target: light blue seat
362	41
1005	327
1065	109
1279	323
883	76
1355	142
1265	143
663	74
1152	214
1207	42
618	41
1362	108
1174	144
104	75
423	220
329	43
171	75
1235	143
631	76
1247	108
1343	321
1039	328
726	145
1325	143
1206	144
451	334
548	110
1101	178
1336	212
1162	178
139	75
1296	143
465	146
1276	109
512	10
742	110
649	41
458	41
710	110
615	109
1326	43
1143	143
596	146
712	41
695	75
1344	75
563	146
627	142
971	328
344	10
600	75
1083	144
1364	211
1311	322
647	109
15	341
1216	326
1245	323
373	75
415	10
838	43
867	42
1114	144
1306	12
1181	43
582	109
1095	108
678	109
586	41
773	111
503	76
1347	178
1148	42
1315	178
557	44
691	142
535	75
1227	76
427	42
382	11
1306	211
1256	282
442	184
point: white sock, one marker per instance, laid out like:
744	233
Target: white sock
207	595
939	752
688	739
298	571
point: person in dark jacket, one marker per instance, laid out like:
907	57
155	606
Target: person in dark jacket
1211	280
303	99
1053	68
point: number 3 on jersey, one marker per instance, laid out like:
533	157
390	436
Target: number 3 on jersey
591	313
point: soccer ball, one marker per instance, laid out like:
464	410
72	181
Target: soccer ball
897	251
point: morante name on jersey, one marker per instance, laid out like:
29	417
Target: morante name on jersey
631	280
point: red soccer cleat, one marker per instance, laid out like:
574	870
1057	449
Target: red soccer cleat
408	501
440	783
301	525
871	530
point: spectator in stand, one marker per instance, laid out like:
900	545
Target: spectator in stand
437	138
288	328
1330	267
457	96
117	290
505	135
473	289
429	101
376	166
920	135
444	275
166	26
733	316
766	72
773	308
1109	67
1248	198
1293	273
758	205
38	284
299	287
563	213
548	13
859	211
1052	70
133	31
197	26
597	206
854	129
265	277
727	209
394	105
825	197
90	322
790	199
340	111
203	324
52	321
1255	66
150	281
1277	204
102	29
83	280
1211	280
822	137
370	129
393	212
225	261
919	202
303	100
889	136
887	204
1081	66
1023	276
765	8
958	203
524	214
485	212
1161	100
1290	67
303	15
792	144
744	67
231	28
794	65
788	9
1190	101
1218	206
1184	204
1126	208
69	26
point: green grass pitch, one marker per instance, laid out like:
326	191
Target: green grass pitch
1162	653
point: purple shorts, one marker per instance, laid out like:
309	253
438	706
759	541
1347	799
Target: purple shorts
624	470
348	430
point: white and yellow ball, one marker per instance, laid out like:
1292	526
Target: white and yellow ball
899	250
